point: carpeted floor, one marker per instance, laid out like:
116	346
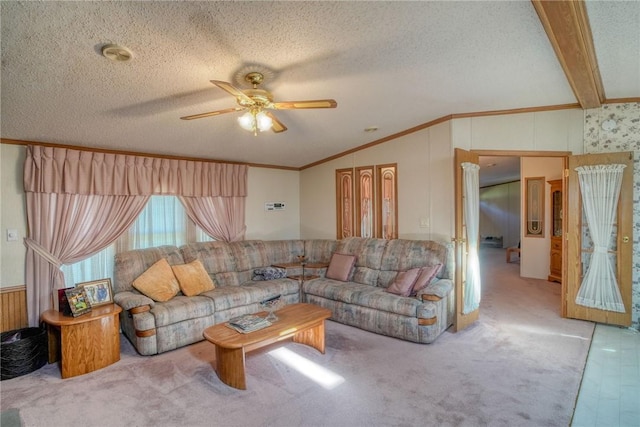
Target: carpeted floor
519	365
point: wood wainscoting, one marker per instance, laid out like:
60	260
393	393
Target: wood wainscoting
13	308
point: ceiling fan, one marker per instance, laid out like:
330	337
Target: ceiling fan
255	102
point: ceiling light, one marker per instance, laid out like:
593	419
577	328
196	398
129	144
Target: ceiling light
609	125
116	53
255	120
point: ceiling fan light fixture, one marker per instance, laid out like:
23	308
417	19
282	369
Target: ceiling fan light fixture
264	121
246	121
255	121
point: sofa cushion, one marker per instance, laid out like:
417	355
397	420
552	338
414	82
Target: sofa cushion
319	250
158	282
192	278
404	282
249	254
229	297
131	264
340	267
335	290
182	308
283	251
402	255
217	258
426	276
379	299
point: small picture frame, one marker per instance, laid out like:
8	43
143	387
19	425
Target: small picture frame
63	302
78	301
98	291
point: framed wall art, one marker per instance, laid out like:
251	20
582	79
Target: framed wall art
365	213
387	205
344	203
534	206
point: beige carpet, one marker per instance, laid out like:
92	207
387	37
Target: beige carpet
519	365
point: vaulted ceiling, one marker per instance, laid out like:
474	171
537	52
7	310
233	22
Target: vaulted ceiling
389	65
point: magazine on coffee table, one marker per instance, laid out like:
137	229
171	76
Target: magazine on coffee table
248	323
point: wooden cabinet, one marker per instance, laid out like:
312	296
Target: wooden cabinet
555	267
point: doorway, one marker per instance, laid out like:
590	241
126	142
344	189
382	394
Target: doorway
503	204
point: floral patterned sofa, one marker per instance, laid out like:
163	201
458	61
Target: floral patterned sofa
365	302
359	300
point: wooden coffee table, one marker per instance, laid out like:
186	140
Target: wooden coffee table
302	322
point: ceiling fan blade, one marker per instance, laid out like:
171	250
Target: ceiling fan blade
293	105
212	113
234	91
277	126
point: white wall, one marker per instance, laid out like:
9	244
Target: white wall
500	212
425	186
534	256
273	185
12	215
264	185
542	131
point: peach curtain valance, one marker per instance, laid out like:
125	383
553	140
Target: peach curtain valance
64	170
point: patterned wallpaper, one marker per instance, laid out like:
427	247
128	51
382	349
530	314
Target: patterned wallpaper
625	137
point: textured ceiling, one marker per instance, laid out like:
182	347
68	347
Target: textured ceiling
393	65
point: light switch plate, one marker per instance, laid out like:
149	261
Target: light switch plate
12	235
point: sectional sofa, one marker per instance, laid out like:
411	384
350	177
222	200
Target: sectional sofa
359	298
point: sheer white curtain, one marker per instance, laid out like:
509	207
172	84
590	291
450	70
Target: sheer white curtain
163	221
600	189
471	291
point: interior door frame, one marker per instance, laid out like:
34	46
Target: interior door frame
565	156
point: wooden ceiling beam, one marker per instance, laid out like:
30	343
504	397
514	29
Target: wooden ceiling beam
567	26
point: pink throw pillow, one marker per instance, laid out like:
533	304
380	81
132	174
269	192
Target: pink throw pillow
426	276
340	267
404	281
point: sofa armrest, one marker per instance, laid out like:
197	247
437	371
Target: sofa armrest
436	290
132	301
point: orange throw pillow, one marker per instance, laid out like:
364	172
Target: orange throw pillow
193	278
158	282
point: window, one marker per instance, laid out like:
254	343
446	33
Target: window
163	221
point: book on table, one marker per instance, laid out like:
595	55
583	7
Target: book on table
248	323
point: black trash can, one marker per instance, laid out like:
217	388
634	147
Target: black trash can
23	351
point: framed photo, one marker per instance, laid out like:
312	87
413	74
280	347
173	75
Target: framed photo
98	291
78	301
63	302
535	191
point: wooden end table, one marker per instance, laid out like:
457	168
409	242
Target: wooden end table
87	342
301	278
302	322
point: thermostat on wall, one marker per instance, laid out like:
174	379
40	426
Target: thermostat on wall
273	206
